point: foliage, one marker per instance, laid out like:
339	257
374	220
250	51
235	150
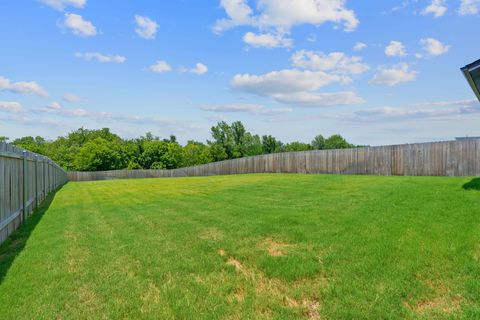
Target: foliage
92	150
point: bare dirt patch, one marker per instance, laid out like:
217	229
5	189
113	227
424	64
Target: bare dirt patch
238	295
212	234
275	248
310	307
442	301
275	289
237	264
443	304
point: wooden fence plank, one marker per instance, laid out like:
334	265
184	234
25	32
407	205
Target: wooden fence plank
451	158
21	186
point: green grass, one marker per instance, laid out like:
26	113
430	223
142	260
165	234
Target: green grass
249	247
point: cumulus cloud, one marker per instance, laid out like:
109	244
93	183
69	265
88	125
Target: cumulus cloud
337	62
199	69
282	15
394	75
62	4
54	106
469	7
70	97
254	109
78	25
429	110
395	49
434	47
22	87
10	106
160	67
296	87
436	7
359	46
108	117
267	40
146	27
89	56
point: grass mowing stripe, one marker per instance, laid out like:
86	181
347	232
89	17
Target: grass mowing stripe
249	247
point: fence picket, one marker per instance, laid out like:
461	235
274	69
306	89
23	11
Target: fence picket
449	158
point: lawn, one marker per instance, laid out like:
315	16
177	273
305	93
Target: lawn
249	247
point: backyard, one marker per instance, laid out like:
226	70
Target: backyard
270	246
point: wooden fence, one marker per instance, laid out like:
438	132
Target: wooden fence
26	179
450	158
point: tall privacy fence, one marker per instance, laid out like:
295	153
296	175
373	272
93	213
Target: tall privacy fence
26	179
449	158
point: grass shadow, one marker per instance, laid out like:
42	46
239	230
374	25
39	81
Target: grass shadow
472	185
15	243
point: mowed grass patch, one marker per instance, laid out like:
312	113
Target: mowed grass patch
249	247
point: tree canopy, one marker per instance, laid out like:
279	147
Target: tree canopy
93	150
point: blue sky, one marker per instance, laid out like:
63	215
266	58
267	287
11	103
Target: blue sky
377	72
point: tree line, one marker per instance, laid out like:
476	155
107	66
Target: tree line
94	150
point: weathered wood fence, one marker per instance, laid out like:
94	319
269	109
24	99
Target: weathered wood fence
26	179
450	158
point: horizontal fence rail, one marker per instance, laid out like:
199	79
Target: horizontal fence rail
448	158
26	179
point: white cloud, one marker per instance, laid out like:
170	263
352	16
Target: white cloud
239	14
101	116
267	40
78	25
285	81
146	27
88	56
200	69
62	4
337	62
10	106
430	110
70	97
394	75
320	99
395	49
469	7
54	106
434	47
359	46
254	109
160	67
296	87
436	7
282	15
22	87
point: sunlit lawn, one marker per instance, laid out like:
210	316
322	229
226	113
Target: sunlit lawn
249	247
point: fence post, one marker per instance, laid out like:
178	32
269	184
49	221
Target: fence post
25	185
36	182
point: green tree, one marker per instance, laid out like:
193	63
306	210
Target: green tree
336	141
196	153
168	155
30	143
100	154
318	143
270	144
297	146
217	152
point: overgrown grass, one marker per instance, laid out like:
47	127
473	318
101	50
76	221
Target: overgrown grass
249	247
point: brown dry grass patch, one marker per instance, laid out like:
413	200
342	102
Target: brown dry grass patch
442	301
275	289
275	248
